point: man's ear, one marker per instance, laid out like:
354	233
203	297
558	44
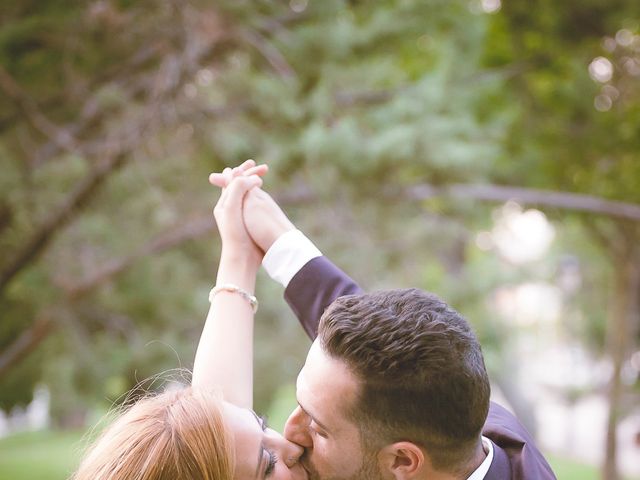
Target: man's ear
402	460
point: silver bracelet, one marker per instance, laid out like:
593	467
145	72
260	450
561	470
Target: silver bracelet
230	287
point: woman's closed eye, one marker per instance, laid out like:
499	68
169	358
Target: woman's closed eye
271	465
273	458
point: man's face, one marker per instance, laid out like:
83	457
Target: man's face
325	390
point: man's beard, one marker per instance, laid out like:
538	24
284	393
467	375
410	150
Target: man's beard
368	470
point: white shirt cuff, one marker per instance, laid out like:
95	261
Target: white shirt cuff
288	254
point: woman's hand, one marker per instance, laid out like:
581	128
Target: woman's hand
237	245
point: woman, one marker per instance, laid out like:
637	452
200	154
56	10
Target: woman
193	433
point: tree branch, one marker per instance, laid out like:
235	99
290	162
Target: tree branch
5	216
195	228
117	153
60	137
43	326
548	198
26	343
77	199
269	52
116	75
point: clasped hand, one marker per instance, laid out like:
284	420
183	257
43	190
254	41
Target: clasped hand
236	241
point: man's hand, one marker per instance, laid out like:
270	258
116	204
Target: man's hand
264	219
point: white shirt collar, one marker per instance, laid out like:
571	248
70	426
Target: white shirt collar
482	470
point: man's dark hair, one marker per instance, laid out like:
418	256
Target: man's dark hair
421	372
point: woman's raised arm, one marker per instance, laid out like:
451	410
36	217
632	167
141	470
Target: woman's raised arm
224	358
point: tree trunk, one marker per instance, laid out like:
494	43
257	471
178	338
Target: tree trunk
623	311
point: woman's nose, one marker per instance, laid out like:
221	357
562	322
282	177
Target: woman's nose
296	429
292	453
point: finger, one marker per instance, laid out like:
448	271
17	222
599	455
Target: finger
226	180
228	175
221	201
247	164
217	180
259	170
249	167
238	188
242	169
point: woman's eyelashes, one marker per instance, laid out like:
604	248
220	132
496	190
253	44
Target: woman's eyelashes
273	459
271	465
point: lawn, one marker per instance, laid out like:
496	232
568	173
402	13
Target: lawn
53	456
569	469
44	455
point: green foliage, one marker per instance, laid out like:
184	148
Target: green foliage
560	140
350	103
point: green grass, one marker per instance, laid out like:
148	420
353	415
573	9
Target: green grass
53	455
44	455
571	469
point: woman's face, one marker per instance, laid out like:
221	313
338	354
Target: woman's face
261	453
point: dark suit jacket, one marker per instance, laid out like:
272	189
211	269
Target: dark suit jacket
515	455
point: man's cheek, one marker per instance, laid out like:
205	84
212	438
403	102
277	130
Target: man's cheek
321	459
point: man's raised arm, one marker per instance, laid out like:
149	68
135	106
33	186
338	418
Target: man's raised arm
311	281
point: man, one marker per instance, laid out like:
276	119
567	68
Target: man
395	385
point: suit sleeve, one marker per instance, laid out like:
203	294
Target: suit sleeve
312	290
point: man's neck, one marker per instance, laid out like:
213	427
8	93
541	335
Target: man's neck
479	454
478	457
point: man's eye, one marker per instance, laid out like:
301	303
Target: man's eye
317	432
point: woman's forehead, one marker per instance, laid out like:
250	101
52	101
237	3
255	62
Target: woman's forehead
247	437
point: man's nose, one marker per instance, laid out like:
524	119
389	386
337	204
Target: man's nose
297	429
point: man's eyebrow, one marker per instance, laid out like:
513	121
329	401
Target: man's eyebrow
315	420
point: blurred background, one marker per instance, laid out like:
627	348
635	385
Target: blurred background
485	150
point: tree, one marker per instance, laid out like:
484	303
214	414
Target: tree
397	124
577	130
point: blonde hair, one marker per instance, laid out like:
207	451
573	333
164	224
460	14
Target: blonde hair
171	436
